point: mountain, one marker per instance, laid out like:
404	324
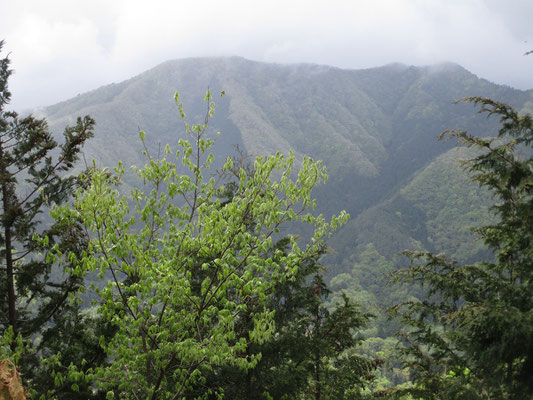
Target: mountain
376	130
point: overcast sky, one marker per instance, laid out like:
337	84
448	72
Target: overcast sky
60	48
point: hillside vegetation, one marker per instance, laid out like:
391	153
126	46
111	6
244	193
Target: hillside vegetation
376	131
207	276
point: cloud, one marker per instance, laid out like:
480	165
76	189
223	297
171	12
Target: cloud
60	48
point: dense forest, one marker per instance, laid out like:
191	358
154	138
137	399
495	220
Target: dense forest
231	265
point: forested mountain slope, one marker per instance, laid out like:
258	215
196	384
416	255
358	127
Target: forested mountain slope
375	129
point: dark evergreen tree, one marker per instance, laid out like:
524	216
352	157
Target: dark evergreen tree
35	173
473	336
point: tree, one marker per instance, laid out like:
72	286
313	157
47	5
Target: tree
472	337
35	173
313	352
186	268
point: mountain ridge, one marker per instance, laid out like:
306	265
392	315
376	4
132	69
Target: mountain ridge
374	128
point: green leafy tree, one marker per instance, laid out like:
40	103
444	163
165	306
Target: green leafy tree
186	268
472	336
35	173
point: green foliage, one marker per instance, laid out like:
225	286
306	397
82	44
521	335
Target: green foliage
37	320
314	352
472	337
188	269
338	372
374	128
365	285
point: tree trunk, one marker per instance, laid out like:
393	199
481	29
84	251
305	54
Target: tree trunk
318	389
10	281
12	311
